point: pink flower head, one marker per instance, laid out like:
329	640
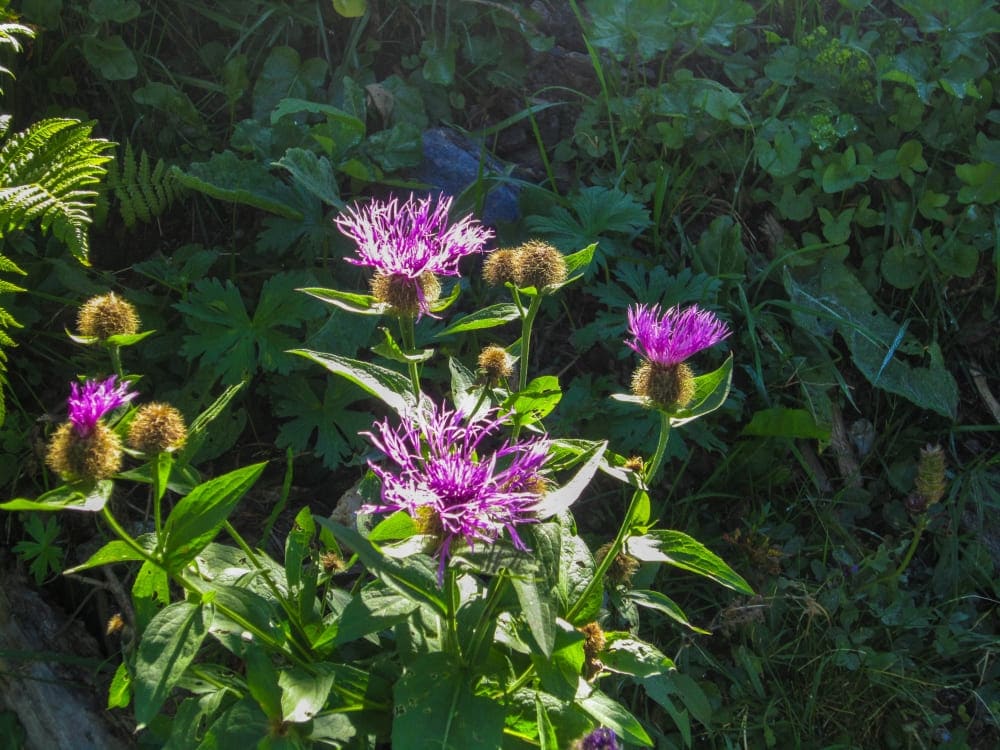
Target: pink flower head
453	488
670	338
406	241
91	401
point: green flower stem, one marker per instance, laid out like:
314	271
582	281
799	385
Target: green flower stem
301	659
479	640
661	447
285	605
408	335
160	468
115	352
628	522
908	557
450	635
527	320
126	537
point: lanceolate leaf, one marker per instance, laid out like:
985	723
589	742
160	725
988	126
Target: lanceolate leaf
197	518
388	385
169	644
682	551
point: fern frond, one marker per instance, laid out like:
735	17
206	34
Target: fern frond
47	172
143	190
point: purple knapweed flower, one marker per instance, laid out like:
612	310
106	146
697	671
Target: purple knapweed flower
665	340
409	245
670	338
91	401
601	738
453	487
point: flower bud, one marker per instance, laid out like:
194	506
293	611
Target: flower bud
107	315
666	386
406	296
94	456
539	265
622	568
157	427
930	483
495	364
501	267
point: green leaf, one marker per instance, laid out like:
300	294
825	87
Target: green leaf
982	183
611	713
389	349
312	173
350	8
627	655
538	609
120	691
781	159
199	516
303	694
374	609
626	27
487	317
81	496
116	551
836	297
536	401
903	265
364	304
664	604
388	385
412	577
286	76
559	500
169	644
435	708
566	566
682	551
323	424
227	177
111	57
788	423
117	11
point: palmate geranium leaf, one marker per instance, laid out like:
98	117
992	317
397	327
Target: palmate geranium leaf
231	343
324	423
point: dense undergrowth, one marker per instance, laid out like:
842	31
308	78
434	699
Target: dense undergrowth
823	175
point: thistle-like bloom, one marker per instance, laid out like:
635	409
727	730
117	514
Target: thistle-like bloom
670	338
409	245
84	447
665	340
452	486
157	427
91	401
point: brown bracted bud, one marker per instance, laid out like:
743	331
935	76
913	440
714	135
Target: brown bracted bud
593	645
96	456
107	315
930	483
666	386
157	427
540	265
501	267
403	294
622	568
495	364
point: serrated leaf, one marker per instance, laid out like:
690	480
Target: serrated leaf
323	424
312	173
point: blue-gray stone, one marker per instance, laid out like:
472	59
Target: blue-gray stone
452	163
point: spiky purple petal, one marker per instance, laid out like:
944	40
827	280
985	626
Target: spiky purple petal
410	239
89	402
442	470
668	338
601	738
